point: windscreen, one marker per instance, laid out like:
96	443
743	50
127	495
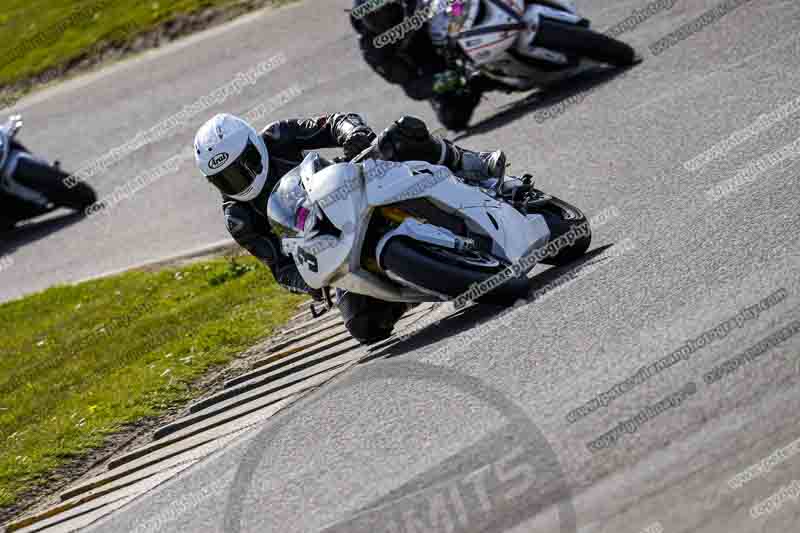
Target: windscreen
287	200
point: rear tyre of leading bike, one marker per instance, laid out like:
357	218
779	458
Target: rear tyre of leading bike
584	42
454	110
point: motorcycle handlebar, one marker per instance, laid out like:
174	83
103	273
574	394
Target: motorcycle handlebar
357	159
366	153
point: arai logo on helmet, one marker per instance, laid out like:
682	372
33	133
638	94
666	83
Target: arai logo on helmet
218	160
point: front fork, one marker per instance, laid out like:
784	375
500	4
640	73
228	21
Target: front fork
326	305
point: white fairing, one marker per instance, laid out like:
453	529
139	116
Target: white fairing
337	190
489	47
348	200
8	164
453	195
494	48
7	132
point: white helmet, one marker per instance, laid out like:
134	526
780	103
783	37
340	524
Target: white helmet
233	156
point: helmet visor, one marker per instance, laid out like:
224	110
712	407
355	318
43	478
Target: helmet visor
239	175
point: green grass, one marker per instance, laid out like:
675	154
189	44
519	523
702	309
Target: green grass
78	362
39	34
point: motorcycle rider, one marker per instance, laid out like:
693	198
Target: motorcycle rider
415	61
245	166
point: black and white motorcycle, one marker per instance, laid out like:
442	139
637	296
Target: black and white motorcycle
30	186
514	45
415	232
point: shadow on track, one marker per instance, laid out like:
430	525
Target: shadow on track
472	316
553	94
11	240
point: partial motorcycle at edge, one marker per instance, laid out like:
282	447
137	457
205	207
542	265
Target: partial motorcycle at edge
30	186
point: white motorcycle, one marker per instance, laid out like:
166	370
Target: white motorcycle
414	232
30	186
514	45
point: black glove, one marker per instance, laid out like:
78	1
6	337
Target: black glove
408	139
357	141
290	279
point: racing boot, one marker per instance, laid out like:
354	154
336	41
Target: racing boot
477	167
408	139
487	170
290	279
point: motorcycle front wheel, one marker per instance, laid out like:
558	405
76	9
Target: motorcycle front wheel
446	272
561	217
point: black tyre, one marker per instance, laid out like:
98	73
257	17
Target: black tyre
368	320
585	42
444	272
561	218
78	197
14	209
7	224
454	111
50	181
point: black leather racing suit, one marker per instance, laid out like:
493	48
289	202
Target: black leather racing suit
414	63
406	139
411	63
247	221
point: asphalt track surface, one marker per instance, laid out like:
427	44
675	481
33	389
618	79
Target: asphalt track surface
383	433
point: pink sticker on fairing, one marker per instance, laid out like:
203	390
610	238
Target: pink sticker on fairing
300	218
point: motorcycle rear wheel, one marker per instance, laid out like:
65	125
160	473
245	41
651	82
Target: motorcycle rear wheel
454	111
51	182
585	42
